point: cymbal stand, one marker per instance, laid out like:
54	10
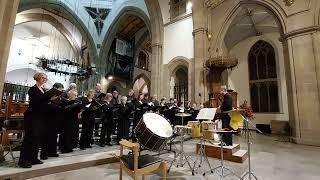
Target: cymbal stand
249	173
181	155
202	156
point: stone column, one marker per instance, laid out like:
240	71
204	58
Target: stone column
200	52
156	70
303	86
8	11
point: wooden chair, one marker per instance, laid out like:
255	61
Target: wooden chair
9	143
136	165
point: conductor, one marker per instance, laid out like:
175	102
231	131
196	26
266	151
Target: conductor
226	106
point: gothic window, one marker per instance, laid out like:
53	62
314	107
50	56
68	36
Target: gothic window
263	78
181	85
177	8
143	61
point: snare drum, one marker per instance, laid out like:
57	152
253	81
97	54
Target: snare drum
195	128
182	130
153	131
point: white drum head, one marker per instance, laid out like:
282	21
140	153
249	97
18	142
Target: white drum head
158	125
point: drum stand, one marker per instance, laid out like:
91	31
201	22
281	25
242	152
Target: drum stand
202	156
221	166
181	155
249	173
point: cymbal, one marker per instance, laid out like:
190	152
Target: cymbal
183	114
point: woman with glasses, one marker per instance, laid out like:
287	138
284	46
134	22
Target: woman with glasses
34	120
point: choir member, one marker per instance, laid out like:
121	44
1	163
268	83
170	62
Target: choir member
154	100
163	101
123	122
115	98
130	96
72	86
138	113
98	113
97	90
87	121
69	135
107	121
49	139
33	123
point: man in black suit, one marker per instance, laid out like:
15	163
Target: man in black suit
107	122
224	108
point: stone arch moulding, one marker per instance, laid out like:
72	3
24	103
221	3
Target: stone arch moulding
233	11
54	22
177	62
111	33
70	15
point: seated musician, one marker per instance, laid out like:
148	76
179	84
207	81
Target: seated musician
123	122
224	108
107	121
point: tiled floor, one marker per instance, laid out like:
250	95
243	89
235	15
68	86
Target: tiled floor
271	160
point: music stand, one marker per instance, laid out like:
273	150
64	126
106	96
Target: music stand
204	114
247	122
222	166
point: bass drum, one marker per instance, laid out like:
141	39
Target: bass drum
153	131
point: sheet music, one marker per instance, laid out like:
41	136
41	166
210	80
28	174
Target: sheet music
87	106
206	113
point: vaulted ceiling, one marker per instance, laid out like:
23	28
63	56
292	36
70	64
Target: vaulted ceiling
250	21
129	26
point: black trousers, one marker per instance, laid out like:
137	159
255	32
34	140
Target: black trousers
31	141
106	130
69	135
87	130
226	137
123	129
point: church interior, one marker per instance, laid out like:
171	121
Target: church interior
160	89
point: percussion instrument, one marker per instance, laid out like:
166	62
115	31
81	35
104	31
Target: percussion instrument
195	128
183	114
208	125
207	134
153	131
182	130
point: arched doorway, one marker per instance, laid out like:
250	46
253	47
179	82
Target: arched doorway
181	84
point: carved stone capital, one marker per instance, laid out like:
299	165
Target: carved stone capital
213	3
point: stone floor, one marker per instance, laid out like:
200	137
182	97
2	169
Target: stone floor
271	160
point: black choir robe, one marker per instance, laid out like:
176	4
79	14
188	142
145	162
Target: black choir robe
123	122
